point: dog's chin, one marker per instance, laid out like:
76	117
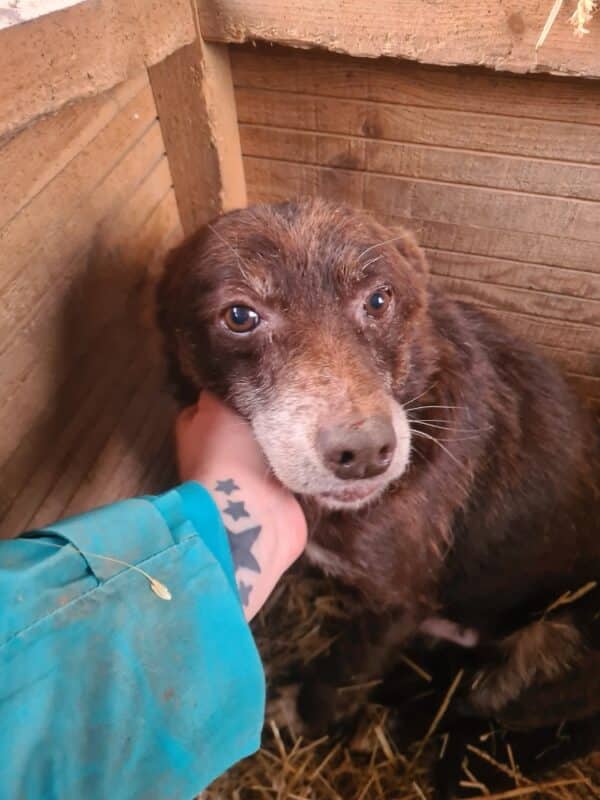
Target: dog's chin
351	498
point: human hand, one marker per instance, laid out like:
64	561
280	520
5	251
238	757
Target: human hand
265	524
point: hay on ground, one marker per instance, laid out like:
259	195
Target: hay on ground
293	630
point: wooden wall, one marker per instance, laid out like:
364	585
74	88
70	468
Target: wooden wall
86	212
499	175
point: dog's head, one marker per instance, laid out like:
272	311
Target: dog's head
302	316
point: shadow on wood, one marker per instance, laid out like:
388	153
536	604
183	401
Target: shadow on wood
105	433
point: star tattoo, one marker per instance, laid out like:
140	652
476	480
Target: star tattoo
236	510
241	545
227	486
244	590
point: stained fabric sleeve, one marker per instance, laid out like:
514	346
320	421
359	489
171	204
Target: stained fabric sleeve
108	690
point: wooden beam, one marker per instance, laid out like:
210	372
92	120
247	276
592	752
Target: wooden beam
83	50
194	97
498	35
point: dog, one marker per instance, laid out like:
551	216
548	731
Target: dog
448	473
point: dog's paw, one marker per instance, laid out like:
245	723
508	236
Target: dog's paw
541	653
317	706
282	709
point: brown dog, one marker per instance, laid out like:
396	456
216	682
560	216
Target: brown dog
447	471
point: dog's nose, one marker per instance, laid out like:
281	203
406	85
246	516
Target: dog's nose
359	448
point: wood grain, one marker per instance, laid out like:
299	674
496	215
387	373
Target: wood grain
423	161
508	222
498	175
91	288
85	411
83	51
194	96
445	203
544	305
388	80
501	36
428	126
25	298
77	343
51	209
29	161
34	467
521	246
501	272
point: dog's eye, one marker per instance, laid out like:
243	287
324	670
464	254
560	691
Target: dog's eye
241	319
378	302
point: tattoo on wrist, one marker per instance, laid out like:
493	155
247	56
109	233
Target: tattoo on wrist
240	541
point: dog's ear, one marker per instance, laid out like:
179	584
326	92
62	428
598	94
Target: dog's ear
174	316
408	247
414	294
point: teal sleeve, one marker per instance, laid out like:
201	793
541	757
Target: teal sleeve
106	689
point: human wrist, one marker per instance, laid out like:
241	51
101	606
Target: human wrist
264	525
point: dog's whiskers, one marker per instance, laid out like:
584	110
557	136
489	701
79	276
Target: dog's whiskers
441	425
382	244
448	452
422	408
364	267
243	265
453	477
456	438
412	400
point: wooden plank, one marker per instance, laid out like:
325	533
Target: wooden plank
276	181
517	274
520	246
429	126
387	80
82	51
545	332
36	363
484	208
99	452
35	156
70	409
58	206
146	246
586	386
446	203
449	33
119	422
43	278
75	467
451	165
120	469
273	181
544	305
577	361
130	232
193	91
89	291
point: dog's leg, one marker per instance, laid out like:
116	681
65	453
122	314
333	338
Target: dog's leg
574	696
540	654
362	651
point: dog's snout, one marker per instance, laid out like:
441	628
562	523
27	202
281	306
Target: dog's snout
358	448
